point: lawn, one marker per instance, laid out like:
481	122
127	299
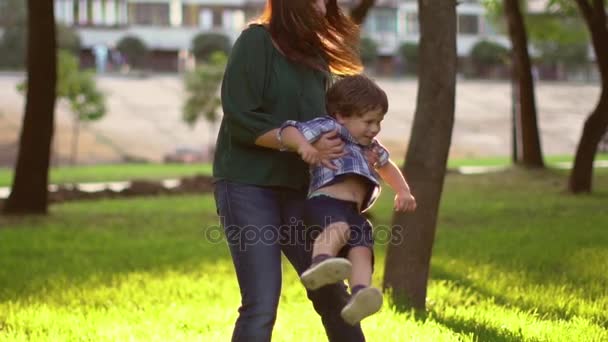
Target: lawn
515	259
122	172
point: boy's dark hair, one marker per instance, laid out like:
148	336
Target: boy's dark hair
355	95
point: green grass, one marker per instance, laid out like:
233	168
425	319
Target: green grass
122	172
118	172
515	259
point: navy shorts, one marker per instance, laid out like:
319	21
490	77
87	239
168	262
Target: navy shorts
322	210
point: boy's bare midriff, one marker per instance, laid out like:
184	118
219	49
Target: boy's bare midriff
352	188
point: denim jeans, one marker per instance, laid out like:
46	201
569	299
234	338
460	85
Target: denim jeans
259	223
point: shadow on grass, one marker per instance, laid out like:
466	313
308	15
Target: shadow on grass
439	273
99	242
481	332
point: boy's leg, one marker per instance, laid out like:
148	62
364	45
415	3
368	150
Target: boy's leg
251	216
365	300
361	259
329	300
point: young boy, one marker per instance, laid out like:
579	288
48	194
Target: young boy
341	191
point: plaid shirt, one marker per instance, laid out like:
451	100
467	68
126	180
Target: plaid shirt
353	162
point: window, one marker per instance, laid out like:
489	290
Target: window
468	24
386	21
205	19
151	14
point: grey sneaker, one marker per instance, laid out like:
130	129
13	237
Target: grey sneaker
329	271
364	303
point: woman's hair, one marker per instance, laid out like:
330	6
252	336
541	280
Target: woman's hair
354	96
308	38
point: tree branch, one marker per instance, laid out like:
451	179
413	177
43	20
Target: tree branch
586	9
359	12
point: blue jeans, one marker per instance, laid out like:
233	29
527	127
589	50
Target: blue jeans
259	223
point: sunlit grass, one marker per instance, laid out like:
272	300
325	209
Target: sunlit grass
515	259
123	172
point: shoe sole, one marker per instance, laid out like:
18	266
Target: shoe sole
365	303
326	272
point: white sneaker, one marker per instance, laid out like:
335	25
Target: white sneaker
329	271
364	303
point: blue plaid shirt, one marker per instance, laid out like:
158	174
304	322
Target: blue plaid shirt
353	162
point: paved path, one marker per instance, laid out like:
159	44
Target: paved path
144	118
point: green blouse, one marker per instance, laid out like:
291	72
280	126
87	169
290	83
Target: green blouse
261	90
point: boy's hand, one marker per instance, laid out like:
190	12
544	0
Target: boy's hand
309	154
404	201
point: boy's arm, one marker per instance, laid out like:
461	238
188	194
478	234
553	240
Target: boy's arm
390	173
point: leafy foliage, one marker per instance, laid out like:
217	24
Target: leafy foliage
204	45
488	53
409	53
134	50
368	49
201	86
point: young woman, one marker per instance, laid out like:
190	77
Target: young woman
278	70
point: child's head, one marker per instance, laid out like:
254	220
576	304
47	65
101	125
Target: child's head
359	105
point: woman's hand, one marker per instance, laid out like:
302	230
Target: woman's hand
309	154
330	146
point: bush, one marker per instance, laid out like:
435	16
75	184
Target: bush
68	39
489	54
205	44
409	55
368	49
133	49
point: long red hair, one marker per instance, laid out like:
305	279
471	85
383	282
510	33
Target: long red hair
305	36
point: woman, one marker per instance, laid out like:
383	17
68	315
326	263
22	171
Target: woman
278	70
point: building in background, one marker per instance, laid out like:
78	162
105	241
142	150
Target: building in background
168	26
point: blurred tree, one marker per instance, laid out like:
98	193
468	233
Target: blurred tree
528	135
594	14
205	44
408	262
13	43
202	92
368	49
134	50
409	55
487	55
359	12
79	90
30	183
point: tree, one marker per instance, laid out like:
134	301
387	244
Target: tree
409	55
531	154
594	14
368	49
407	266
202	86
205	44
134	50
29	190
78	88
359	12
487	55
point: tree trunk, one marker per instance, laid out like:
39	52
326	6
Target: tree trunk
597	123
75	136
359	12
29	189
408	256
530	140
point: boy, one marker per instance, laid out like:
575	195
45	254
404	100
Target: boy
341	191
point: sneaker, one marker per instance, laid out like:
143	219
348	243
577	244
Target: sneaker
329	271
364	303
